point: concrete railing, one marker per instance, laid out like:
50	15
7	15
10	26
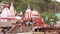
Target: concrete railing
32	33
28	33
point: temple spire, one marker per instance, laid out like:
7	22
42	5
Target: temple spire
12	9
28	13
28	6
11	3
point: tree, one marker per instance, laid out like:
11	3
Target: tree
41	5
50	16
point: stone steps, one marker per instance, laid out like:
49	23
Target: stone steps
5	24
28	33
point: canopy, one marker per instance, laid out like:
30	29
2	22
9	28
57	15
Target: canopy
34	12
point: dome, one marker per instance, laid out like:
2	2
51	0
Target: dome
28	9
34	12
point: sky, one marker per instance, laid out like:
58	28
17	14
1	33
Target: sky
57	0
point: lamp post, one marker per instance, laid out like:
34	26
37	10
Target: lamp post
55	7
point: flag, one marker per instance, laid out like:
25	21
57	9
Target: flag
40	21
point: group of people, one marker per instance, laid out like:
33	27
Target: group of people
31	22
30	25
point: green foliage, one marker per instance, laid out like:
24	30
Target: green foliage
22	4
0	0
45	6
50	16
55	19
40	5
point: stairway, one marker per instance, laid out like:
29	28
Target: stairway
14	29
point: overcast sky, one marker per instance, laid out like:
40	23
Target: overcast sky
57	0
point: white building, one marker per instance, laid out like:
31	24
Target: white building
28	13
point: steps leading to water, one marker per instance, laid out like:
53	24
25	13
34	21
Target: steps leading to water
28	33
